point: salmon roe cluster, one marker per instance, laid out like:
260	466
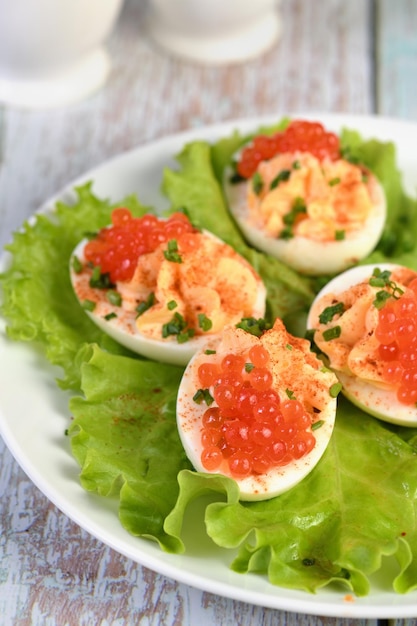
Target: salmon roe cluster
247	426
299	136
117	248
396	333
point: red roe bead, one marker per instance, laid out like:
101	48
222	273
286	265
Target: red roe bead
406	305
260	378
405	331
212	417
208	374
406	395
388	352
266	411
233	363
120	216
291	409
409	378
413	286
240	465
302	445
225	397
277	452
236	433
261	433
210	437
246	399
261	463
211	458
392	372
259	356
408	355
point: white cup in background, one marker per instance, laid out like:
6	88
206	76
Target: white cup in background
214	31
52	51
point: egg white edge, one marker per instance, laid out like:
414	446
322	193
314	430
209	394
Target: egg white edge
125	331
354	388
278	480
303	254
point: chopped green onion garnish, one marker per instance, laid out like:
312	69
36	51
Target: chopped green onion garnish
281	177
290	394
334	181
332	333
335	390
204	322
88	305
203	395
317	424
175	326
110	316
249	367
253	326
380	299
186	335
257	183
146	304
172	305
114	297
209	351
329	312
380	278
77	266
339	235
99	280
171	254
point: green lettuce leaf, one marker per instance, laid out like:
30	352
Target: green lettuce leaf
38	300
357	506
125	439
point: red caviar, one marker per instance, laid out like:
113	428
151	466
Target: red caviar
299	136
396	333
117	248
247	426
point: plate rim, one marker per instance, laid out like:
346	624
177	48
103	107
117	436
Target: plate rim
282	600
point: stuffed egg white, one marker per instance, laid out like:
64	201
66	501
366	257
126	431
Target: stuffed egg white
185	286
317	215
365	323
259	409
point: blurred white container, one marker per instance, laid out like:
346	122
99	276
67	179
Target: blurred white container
215	31
52	51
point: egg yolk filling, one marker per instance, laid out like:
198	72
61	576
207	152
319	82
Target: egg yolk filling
297	194
370	331
176	281
264	397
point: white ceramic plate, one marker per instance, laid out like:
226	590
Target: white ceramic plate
34	413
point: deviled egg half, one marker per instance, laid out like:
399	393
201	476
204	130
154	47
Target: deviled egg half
365	323
301	202
161	287
258	406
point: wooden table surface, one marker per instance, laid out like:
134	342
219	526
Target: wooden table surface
357	56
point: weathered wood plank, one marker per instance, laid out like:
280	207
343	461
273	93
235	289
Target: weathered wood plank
396	49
